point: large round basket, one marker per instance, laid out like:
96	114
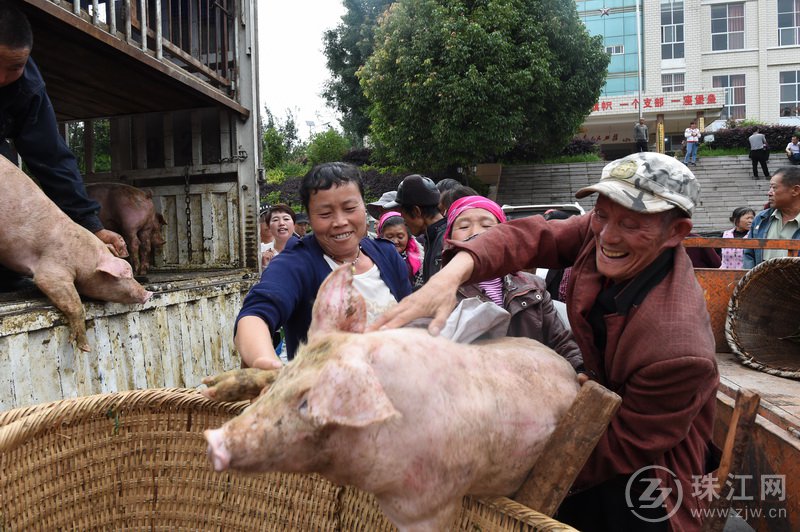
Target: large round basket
763	323
137	461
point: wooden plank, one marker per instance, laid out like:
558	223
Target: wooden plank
568	448
743	243
8	345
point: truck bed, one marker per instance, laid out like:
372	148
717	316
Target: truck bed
182	334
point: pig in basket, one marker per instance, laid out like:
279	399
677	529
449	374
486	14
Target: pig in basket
65	259
417	420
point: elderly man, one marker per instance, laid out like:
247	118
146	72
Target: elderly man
638	316
781	220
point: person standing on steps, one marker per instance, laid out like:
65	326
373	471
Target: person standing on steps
759	153
640	135
692	135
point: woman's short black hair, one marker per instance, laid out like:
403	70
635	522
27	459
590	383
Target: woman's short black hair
281	207
15	30
738	212
324	176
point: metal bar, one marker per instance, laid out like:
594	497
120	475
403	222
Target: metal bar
128	29
793	246
159	49
208	34
112	17
95	12
226	18
76	7
143	24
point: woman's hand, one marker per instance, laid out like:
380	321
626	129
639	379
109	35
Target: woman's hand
436	298
253	341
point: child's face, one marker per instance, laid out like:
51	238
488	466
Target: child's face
398	235
472	222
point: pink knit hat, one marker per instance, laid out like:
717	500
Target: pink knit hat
472	202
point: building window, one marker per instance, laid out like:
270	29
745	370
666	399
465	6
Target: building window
615	50
790	93
734	95
727	27
788	22
672	29
672	82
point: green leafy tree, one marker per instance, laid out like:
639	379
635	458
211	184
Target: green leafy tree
279	141
464	81
347	47
326	147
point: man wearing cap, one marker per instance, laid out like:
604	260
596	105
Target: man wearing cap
638	316
301	225
418	201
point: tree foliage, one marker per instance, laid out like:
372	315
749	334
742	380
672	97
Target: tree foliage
279	141
326	147
347	47
464	81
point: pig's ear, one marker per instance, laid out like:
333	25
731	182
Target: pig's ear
339	306
114	266
348	393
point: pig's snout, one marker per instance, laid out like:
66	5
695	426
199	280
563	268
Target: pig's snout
217	451
147	296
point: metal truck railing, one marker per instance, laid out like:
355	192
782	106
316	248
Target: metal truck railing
198	36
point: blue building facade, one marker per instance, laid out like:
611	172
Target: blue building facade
615	21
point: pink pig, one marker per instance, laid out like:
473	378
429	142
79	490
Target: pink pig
130	212
418	421
38	239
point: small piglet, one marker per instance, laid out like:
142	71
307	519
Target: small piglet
38	239
418	421
130	212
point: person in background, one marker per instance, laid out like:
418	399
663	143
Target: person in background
301	226
443	186
692	135
418	201
452	194
640	319
793	150
27	118
780	220
557	279
280	225
759	153
522	294
333	196
640	135
266	240
392	227
742	219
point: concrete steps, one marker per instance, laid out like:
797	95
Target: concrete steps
725	183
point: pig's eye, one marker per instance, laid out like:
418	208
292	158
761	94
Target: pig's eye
303	406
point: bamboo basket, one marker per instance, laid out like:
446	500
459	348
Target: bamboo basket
763	322
136	460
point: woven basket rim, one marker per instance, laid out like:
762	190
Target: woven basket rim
19	425
732	317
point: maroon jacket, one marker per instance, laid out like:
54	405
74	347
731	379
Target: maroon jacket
659	357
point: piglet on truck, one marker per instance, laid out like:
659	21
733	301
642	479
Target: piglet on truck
417	420
64	259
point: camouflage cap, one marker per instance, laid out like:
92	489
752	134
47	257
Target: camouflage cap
647	182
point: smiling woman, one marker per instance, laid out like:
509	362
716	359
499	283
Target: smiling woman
332	194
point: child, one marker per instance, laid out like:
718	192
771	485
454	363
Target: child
522	294
392	227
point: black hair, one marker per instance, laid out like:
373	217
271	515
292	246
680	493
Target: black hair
426	211
15	30
738	212
790	175
326	175
281	207
451	195
555	214
448	183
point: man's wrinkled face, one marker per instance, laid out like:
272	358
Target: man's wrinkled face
629	241
12	64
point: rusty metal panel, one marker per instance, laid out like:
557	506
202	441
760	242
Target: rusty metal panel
744	243
717	288
181	335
